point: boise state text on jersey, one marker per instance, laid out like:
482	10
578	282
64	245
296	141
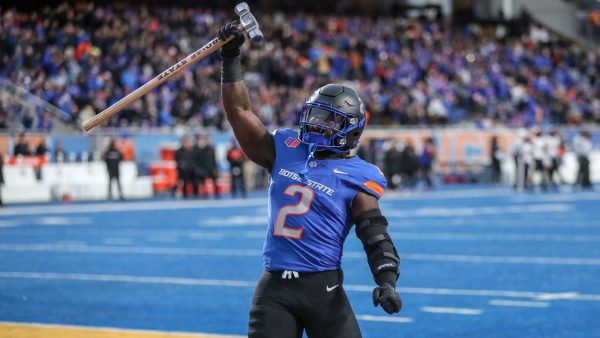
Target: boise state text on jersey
309	214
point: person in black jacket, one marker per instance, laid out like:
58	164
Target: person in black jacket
113	157
392	164
1	177
21	146
410	166
236	159
40	153
206	163
495	160
185	160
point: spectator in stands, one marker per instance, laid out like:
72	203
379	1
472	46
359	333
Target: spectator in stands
45	123
426	161
236	159
185	161
113	157
206	163
583	146
21	146
411	71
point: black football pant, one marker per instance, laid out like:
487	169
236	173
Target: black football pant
286	303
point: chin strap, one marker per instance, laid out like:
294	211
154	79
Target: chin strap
311	155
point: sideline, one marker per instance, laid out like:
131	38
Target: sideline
37	330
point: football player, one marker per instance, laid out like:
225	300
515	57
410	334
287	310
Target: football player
317	192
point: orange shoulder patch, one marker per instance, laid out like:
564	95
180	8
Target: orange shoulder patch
374	186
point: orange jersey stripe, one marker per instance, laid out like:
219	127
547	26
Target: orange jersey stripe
374	186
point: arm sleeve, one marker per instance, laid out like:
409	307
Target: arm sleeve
371	229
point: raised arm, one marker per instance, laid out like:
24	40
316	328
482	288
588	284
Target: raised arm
254	138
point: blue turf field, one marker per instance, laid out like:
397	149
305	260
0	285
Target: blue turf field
475	263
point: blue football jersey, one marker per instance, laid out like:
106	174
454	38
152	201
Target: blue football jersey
309	212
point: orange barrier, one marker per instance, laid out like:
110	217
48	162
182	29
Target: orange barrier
30	161
165	178
164	175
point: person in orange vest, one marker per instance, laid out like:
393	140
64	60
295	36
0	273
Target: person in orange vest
126	147
236	159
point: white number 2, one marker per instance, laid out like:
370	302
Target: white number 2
300	208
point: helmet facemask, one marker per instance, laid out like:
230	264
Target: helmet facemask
328	128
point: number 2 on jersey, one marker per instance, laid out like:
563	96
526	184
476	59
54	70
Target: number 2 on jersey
300	208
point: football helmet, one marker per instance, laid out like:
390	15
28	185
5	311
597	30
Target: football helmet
333	118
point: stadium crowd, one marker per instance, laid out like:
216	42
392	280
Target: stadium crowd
85	57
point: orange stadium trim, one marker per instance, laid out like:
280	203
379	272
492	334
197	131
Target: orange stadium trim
374	186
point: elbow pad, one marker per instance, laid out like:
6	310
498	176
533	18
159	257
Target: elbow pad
371	229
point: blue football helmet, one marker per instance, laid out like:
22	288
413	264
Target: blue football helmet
333	118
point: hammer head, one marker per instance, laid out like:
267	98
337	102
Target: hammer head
248	21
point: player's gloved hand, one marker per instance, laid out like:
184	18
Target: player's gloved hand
389	299
232	48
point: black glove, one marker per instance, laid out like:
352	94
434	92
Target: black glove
232	48
389	299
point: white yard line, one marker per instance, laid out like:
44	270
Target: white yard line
97	249
453	212
452	310
388	319
503	259
554	222
500	237
131	206
54	220
557	296
250	284
106	249
150	205
518	303
233	221
127	279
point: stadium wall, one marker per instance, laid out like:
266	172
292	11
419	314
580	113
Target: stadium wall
458	149
70	182
84	177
